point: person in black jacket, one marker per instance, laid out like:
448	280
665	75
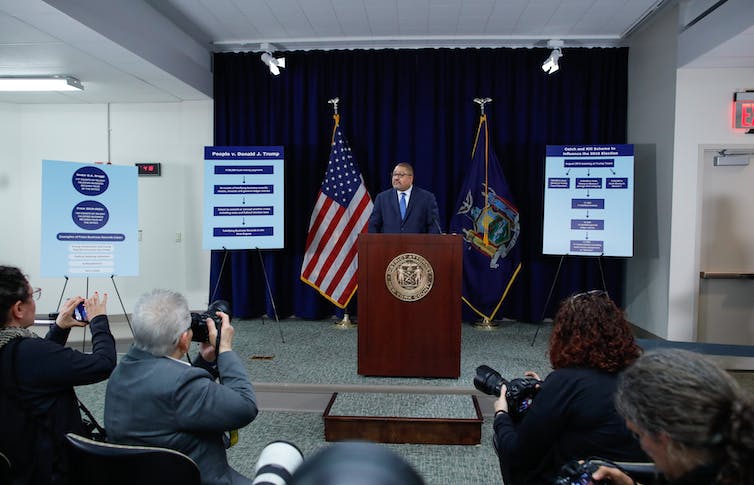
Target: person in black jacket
691	417
573	416
38	404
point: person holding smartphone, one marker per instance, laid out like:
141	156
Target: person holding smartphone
37	376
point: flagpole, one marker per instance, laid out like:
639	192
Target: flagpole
485	323
345	322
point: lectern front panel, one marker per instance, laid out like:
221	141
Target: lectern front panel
409	306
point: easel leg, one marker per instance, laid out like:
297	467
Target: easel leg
602	273
53	316
547	302
86	295
269	292
219	275
125	313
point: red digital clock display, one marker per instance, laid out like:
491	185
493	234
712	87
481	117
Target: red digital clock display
148	169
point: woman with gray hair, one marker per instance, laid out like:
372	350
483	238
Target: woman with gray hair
691	417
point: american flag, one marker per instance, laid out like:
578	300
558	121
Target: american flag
342	212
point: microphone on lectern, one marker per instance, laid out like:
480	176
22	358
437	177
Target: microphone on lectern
437	225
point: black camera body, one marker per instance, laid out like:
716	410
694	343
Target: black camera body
199	320
519	394
579	473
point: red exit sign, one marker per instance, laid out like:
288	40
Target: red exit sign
743	110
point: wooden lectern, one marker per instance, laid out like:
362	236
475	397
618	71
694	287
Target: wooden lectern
405	329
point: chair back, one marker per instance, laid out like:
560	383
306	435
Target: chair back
93	462
642	472
4	469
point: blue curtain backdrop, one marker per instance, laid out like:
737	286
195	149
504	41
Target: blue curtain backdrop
416	106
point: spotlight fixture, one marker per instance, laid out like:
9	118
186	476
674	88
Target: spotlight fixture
40	83
275	64
551	63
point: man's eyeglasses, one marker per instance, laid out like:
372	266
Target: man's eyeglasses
396	174
36	293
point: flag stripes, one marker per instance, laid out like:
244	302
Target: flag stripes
340	214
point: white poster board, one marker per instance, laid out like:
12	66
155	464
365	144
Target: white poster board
244	197
89	220
589	200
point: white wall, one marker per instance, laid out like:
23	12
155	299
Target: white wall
171	133
672	115
651	119
703	117
10	183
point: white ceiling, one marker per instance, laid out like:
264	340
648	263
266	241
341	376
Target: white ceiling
305	24
160	50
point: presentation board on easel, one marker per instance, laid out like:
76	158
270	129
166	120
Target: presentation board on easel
589	200
89	220
244	195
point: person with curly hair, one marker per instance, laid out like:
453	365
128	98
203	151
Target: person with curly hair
691	417
573	415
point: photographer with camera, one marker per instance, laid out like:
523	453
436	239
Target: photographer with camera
572	415
154	398
691	417
37	401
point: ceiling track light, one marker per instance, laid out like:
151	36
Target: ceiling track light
275	64
40	83
272	62
551	63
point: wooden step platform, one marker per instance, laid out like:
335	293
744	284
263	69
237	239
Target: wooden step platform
436	419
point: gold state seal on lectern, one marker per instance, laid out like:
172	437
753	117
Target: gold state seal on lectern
409	277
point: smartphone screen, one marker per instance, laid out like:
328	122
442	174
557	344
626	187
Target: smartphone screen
79	313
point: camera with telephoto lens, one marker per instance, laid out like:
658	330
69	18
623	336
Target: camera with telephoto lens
199	320
580	473
519	394
276	463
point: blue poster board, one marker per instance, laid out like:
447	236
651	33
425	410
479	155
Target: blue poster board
589	200
89	220
244	197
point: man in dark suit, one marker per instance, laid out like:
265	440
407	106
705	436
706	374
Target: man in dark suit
405	208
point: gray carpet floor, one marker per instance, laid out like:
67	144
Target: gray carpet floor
316	352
